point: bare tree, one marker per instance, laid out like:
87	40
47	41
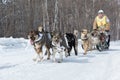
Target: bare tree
18	17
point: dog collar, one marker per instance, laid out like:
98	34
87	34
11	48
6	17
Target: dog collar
85	39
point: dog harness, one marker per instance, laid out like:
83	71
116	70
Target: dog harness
85	39
58	47
40	35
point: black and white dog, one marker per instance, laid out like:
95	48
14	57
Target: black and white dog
63	43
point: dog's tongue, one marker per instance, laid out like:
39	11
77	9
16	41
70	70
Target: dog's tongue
31	42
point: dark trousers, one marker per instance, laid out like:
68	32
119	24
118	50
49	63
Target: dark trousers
108	42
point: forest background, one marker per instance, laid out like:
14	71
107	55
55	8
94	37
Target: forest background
18	17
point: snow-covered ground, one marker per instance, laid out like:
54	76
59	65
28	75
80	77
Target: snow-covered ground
16	63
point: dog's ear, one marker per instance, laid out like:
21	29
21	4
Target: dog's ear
36	32
30	32
53	33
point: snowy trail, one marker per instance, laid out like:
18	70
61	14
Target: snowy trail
16	64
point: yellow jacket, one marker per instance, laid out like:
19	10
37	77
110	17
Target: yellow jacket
104	22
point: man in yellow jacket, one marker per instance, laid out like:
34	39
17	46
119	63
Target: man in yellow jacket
102	22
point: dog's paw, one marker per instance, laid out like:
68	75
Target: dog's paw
54	60
34	59
59	61
48	58
84	53
66	55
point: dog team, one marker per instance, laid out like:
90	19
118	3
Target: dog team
62	43
58	42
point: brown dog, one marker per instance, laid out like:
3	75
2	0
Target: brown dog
39	41
89	40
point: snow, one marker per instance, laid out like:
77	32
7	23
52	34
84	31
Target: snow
16	63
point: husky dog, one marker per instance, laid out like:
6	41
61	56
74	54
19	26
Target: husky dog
38	40
64	43
89	40
57	46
